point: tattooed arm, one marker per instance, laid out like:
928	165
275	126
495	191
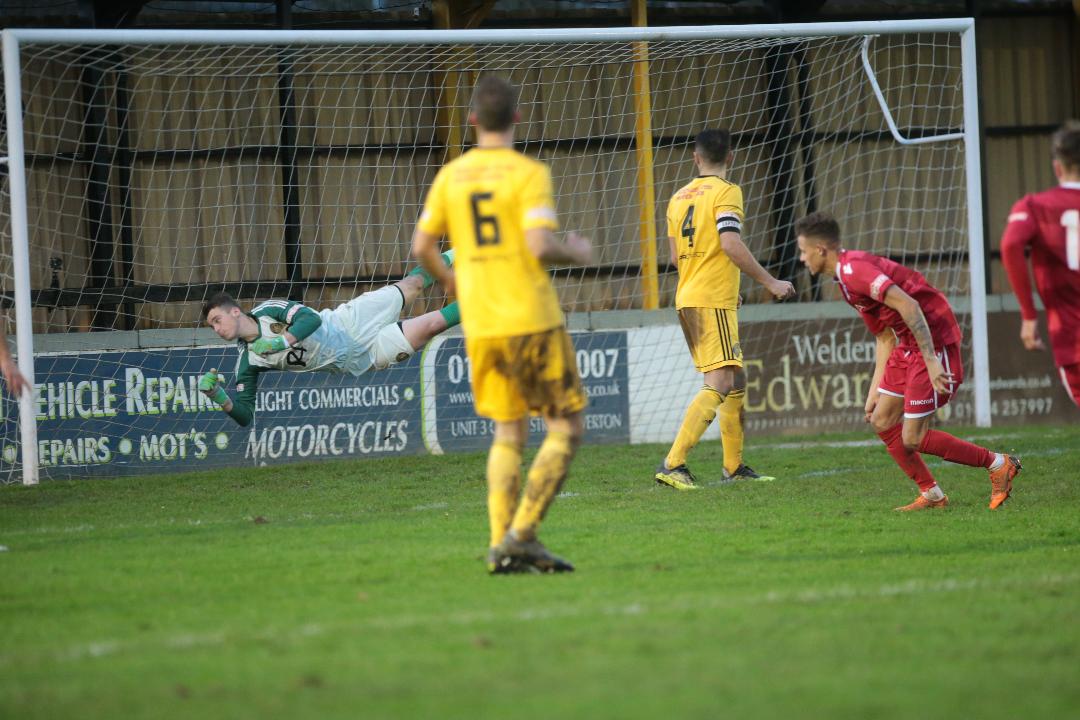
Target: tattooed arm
913	317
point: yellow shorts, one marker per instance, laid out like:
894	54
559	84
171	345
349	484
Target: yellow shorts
713	337
515	376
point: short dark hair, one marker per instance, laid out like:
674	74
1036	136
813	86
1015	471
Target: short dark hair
218	299
1066	144
821	226
494	103
713	145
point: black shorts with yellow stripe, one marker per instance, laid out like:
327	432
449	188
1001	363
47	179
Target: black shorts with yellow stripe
712	335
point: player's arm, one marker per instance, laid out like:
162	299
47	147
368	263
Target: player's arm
425	248
733	246
886	342
302	321
673	244
242	408
540	222
16	383
575	249
429	229
1020	230
913	317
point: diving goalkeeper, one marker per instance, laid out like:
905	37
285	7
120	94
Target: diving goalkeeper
360	335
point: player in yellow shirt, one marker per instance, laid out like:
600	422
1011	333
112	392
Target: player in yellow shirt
704	220
496	207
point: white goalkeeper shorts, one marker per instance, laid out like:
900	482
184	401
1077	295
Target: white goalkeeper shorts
370	322
390	348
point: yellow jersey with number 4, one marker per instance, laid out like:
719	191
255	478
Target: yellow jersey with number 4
485	201
697	214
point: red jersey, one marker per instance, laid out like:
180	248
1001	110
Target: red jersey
864	278
1048	223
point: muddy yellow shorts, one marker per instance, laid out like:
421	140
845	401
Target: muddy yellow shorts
515	376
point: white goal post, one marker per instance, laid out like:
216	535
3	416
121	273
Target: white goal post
700	75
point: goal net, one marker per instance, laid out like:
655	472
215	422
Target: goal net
163	166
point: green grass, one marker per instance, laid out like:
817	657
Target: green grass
357	590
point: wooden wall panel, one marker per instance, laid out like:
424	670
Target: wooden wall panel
55	200
358	214
677	107
620	208
920	78
578	193
1027	67
615	101
572	107
379	99
52	106
208	221
840	96
892	196
732	92
205	222
673	168
1015	166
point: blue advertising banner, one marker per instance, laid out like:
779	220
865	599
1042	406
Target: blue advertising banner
601	361
138	412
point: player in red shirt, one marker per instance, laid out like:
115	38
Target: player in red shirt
918	363
1049	224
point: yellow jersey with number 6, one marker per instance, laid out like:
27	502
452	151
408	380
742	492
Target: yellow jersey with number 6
697	214
485	201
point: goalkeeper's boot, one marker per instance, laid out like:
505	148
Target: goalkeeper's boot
679	477
924	503
745	472
1001	481
528	556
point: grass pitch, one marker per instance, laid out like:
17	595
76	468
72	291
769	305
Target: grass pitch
356	590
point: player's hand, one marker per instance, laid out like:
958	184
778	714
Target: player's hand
210	386
449	283
780	289
580	247
941	380
269	346
15	381
871	403
1029	335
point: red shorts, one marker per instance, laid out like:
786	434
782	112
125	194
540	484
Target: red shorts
906	377
1070	378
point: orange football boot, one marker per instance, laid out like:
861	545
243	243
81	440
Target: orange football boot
1001	481
921	503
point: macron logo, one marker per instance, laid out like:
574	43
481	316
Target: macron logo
1017	216
921	402
847	269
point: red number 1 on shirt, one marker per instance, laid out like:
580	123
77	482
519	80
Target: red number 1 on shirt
1070	220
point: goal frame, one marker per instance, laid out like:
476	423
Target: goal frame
14	39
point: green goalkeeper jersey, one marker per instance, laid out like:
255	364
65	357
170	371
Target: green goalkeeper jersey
321	345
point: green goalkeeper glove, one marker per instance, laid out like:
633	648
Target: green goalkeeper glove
269	346
210	386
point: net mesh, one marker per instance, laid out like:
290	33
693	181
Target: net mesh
158	174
